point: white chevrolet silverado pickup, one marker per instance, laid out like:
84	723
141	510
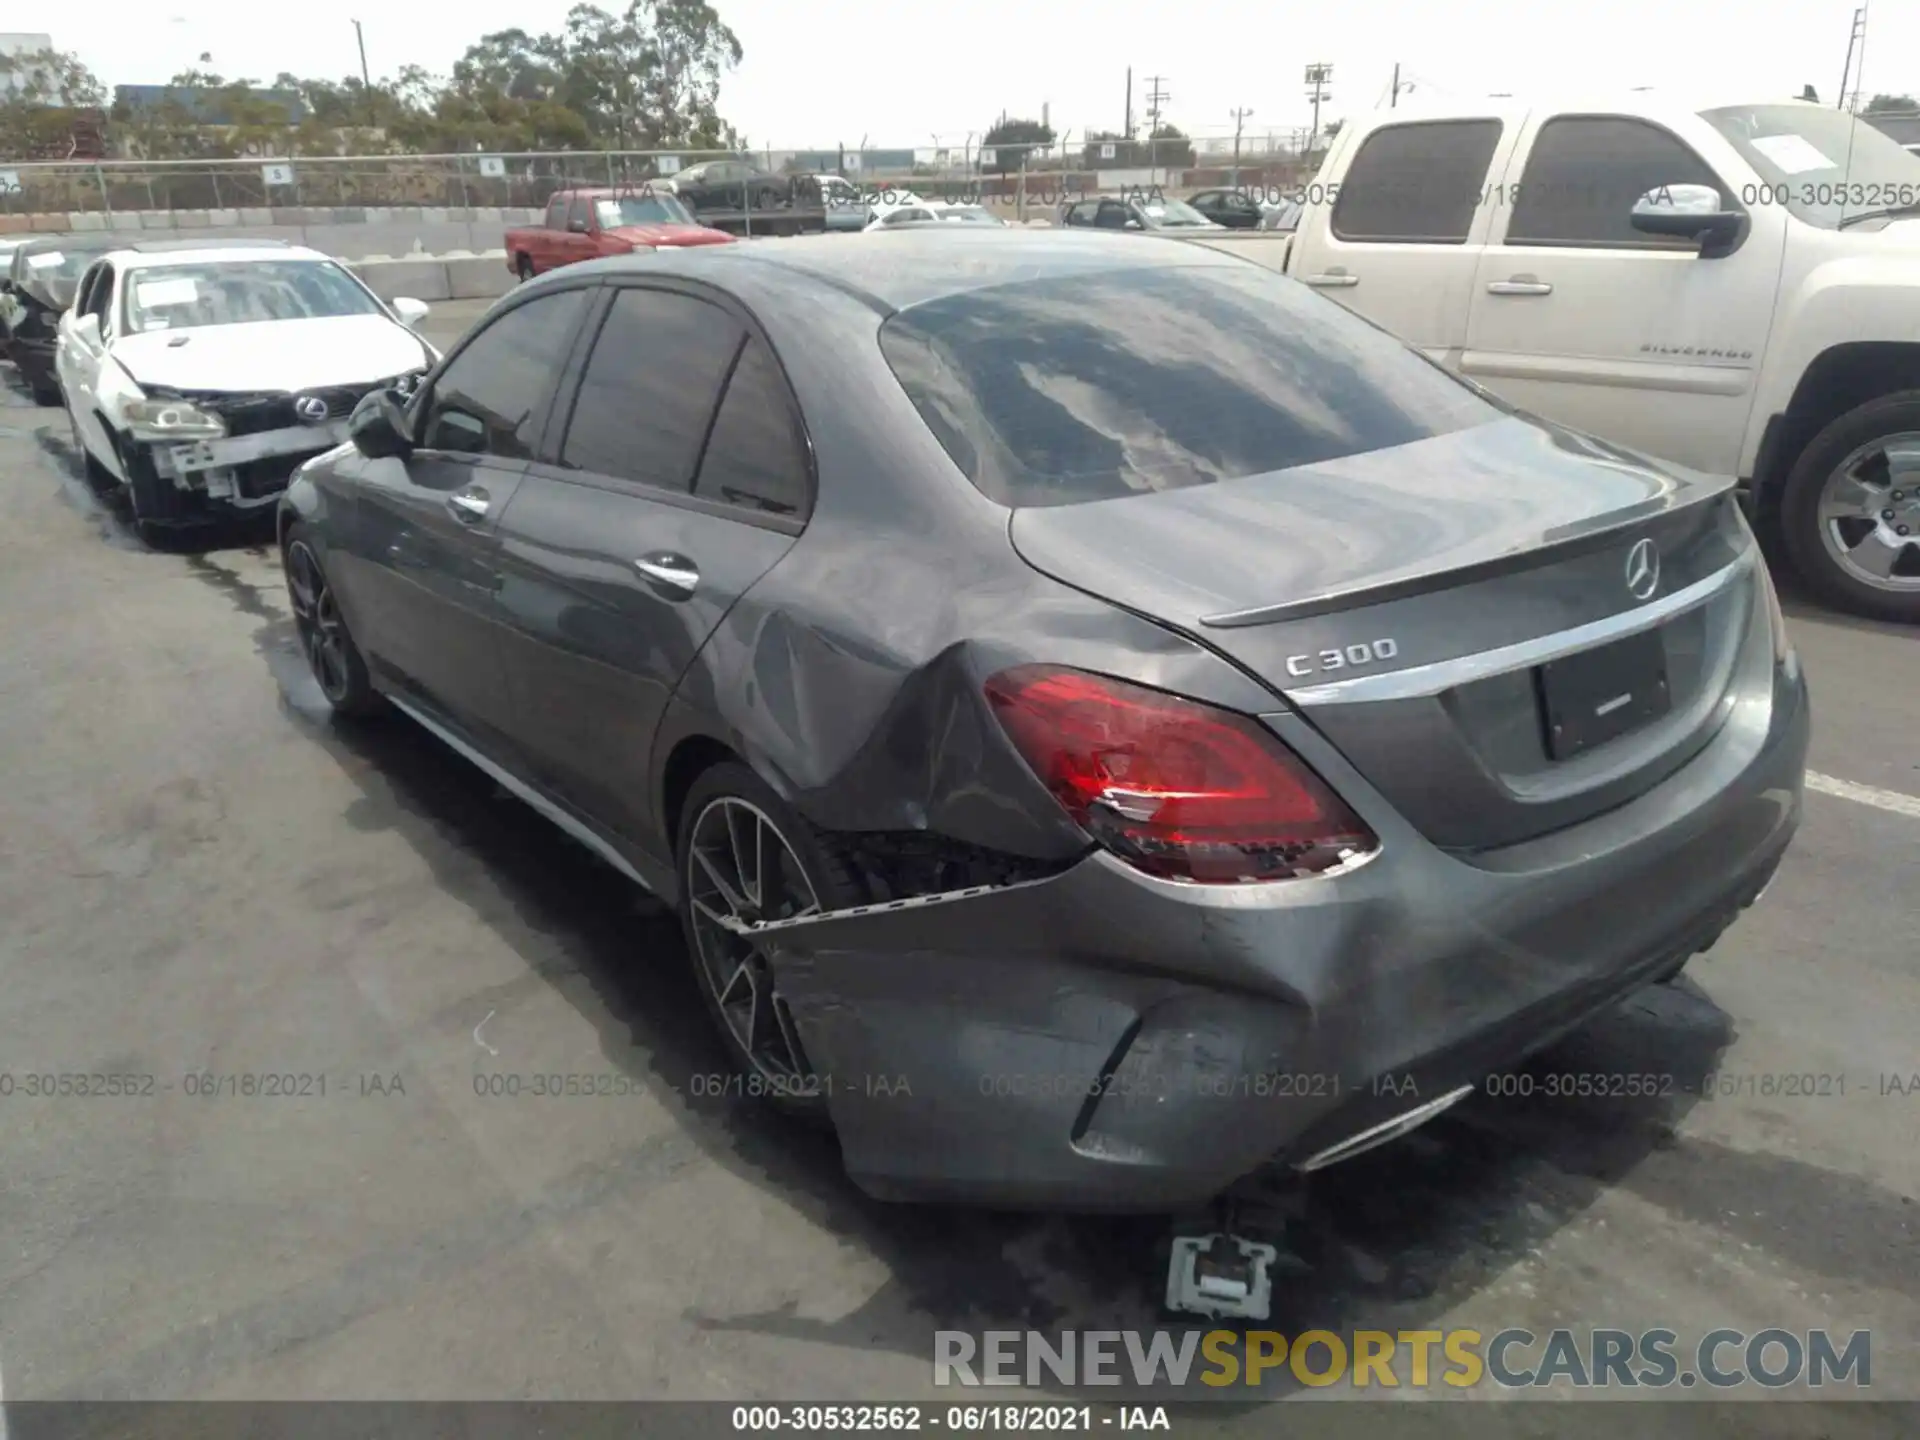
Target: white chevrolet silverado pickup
1735	288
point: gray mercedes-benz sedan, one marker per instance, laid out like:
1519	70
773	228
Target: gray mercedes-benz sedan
1110	720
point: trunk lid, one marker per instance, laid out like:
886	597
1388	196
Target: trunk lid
1436	608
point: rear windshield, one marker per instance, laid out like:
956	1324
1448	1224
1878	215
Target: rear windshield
1056	392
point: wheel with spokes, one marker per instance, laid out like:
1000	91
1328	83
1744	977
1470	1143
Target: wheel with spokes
331	654
745	857
1850	515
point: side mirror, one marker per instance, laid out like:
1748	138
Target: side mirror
1133	225
1689	212
87	328
410	311
578	227
378	426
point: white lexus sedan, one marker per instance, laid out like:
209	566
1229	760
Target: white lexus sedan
199	375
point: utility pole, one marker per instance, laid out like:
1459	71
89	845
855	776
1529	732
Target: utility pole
1126	132
366	80
1318	77
1239	119
1156	98
1394	102
1856	37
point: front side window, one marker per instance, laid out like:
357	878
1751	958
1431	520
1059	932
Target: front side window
492	397
650	388
100	299
1052	392
1418	183
241	292
1584	174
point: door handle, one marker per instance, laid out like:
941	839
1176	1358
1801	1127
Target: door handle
1519	285
469	505
1333	279
669	572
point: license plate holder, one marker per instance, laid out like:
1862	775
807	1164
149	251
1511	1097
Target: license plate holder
1603	693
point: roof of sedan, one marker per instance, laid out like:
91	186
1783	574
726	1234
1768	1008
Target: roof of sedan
189	252
921	264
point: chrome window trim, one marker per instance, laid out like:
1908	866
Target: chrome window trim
1421	682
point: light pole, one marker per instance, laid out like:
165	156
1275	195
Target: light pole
1318	77
366	80
1239	119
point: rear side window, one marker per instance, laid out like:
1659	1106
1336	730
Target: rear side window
650	387
557	213
1416	184
756	458
1584	174
1053	392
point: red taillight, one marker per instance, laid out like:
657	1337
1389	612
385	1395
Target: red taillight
1174	787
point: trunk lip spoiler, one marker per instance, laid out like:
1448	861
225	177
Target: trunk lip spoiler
1579	538
1420	682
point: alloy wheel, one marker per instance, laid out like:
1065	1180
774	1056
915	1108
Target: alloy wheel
323	634
741	870
1869	514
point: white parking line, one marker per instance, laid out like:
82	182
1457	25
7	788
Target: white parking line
1892	800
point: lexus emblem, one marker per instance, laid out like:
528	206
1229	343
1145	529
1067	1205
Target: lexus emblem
1643	570
311	409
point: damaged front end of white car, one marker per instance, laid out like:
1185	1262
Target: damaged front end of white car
223	450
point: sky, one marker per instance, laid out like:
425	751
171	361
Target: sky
840	72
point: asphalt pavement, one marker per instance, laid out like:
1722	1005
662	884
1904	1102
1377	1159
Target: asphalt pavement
205	882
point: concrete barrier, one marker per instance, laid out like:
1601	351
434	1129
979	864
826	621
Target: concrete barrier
348	231
478	277
415	279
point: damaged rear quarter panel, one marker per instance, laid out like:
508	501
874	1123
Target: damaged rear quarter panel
850	676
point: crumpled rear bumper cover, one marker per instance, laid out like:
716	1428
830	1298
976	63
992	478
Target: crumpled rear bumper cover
1101	1040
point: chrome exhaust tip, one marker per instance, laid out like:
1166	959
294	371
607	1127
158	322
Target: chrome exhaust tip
1377	1135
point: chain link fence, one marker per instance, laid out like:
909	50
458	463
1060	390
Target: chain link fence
962	169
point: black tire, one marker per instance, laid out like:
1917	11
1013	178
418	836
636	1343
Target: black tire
523	267
785	1079
1800	523
337	665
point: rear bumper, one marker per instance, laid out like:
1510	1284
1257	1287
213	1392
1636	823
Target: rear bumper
1101	1040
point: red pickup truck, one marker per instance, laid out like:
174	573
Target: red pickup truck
586	224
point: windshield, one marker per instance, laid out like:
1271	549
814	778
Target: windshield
183	297
1053	392
1824	166
49	266
1173	214
641	210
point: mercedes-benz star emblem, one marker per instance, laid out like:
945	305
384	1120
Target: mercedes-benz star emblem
1643	570
311	409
